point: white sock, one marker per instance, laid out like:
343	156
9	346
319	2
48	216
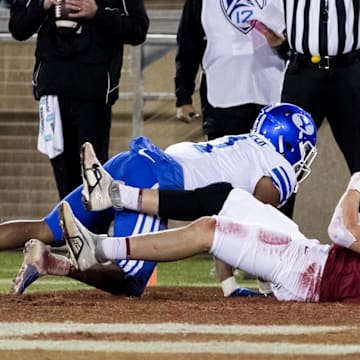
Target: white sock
113	248
229	285
128	197
58	265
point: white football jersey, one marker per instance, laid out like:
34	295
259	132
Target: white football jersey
241	160
262	241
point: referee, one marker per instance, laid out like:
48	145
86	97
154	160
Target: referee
323	74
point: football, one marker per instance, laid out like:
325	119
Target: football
62	19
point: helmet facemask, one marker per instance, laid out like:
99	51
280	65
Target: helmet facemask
302	167
306	151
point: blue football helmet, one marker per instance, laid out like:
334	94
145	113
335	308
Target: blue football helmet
292	131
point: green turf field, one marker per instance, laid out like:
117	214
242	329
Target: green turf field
196	271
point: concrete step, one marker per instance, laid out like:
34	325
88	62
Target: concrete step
18	142
22	156
18	128
28	141
164	20
24	104
11	48
4	16
163	4
31	127
23	76
21	210
16	88
28	183
18	61
29	197
26	169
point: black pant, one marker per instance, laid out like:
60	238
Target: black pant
334	94
82	121
232	120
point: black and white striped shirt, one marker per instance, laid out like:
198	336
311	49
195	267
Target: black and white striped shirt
323	27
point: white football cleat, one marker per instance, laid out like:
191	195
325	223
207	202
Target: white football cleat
96	180
80	241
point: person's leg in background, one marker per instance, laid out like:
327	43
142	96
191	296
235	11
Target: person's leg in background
67	176
82	121
230	121
234	120
305	87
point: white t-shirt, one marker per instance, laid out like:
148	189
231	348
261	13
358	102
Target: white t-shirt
240	66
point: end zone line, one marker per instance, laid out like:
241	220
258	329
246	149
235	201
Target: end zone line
221	347
10	329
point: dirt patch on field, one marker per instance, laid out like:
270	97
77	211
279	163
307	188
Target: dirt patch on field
172	304
177	305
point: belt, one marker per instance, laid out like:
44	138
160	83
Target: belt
326	62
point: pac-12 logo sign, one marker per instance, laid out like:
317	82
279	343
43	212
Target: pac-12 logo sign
240	12
303	124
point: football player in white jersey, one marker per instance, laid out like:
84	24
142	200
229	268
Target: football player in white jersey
268	163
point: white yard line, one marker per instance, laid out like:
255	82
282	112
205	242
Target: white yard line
29	328
8	332
43	281
223	347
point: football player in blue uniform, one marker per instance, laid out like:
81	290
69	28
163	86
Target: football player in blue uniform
268	162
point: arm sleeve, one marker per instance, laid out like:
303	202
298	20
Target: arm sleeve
26	18
128	24
283	50
191	45
192	204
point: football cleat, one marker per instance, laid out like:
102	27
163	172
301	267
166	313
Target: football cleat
80	241
96	181
34	265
